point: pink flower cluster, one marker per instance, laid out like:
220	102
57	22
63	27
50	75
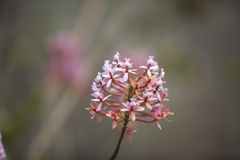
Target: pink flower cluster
2	152
66	58
118	90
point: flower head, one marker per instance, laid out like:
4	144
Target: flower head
138	98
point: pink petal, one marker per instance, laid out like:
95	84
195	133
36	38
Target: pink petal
148	106
95	100
132	116
105	75
159	96
124	104
154	67
117	75
125	109
149	73
140	109
109	83
106	97
114	125
125	77
158	112
132	72
99	106
93	116
159	125
143	67
120	69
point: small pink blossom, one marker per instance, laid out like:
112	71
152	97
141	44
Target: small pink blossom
130	129
99	98
114	116
131	107
116	58
152	67
109	73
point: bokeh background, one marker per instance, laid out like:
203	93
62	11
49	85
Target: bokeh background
43	94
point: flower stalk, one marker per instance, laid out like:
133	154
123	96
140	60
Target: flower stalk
126	120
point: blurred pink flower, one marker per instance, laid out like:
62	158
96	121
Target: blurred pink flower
130	129
66	58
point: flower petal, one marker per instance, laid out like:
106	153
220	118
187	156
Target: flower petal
120	69
149	73
132	72
106	75
140	109
125	109
154	67
99	107
159	126
93	116
106	97
125	77
109	83
132	116
159	96
114	125
148	106
143	67
95	100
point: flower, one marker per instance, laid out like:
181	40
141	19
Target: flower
66	59
116	58
114	116
2	152
130	129
108	73
126	69
99	98
131	107
152	67
126	97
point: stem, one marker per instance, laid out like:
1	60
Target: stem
126	120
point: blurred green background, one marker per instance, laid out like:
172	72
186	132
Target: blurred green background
196	41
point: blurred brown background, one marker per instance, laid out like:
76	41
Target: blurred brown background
196	41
